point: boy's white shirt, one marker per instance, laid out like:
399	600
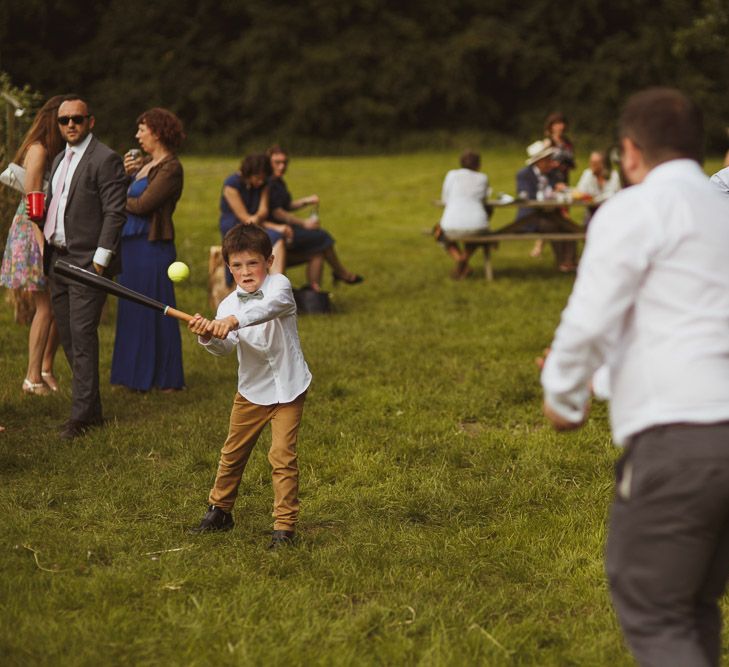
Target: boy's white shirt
271	365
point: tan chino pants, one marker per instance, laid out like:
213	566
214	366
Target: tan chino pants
247	421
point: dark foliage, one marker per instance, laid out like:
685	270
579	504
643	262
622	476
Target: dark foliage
366	71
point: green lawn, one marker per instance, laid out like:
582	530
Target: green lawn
443	523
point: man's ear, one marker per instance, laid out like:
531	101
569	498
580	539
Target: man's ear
632	161
269	261
92	120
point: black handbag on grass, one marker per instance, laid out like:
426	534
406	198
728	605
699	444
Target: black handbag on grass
311	302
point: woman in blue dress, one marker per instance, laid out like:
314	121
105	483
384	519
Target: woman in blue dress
245	200
148	347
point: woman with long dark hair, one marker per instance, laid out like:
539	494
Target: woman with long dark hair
22	266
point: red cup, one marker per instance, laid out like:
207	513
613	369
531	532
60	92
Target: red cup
36	205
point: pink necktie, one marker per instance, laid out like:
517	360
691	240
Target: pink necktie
50	225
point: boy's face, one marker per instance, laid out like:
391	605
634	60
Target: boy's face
249	269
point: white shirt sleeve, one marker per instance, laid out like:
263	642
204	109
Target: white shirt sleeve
102	257
612	187
617	254
220	347
585	183
721	180
446	187
601	383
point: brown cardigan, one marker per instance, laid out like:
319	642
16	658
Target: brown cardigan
158	201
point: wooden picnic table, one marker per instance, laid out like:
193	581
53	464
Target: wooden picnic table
490	239
549	204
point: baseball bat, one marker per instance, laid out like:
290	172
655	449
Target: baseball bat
93	279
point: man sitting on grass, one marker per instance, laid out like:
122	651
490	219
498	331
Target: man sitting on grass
258	320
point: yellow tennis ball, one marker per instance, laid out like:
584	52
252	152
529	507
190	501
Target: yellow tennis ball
178	271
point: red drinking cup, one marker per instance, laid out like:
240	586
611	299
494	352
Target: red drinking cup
36	205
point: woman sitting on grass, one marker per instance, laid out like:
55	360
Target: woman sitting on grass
464	192
245	200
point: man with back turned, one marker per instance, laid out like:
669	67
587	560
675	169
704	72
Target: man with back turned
651	302
83	226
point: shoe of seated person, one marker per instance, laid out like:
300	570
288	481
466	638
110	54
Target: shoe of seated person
215	520
281	538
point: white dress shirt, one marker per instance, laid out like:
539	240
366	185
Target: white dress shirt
59	235
589	185
271	365
464	191
651	300
721	180
102	256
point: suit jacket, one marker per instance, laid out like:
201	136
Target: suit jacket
95	208
527	181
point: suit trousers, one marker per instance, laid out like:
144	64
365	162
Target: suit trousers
667	555
77	309
247	421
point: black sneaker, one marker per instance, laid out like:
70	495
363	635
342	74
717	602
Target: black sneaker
214	520
281	538
73	428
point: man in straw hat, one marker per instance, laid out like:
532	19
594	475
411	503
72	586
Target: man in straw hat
533	183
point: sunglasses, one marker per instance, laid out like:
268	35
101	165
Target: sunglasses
77	120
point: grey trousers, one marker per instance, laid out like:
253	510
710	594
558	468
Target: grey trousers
668	544
77	310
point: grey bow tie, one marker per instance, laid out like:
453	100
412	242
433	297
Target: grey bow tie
244	296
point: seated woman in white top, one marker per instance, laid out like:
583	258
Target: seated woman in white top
599	181
464	191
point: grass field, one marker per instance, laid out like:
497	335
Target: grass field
443	523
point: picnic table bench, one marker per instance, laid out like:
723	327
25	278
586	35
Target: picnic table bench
488	240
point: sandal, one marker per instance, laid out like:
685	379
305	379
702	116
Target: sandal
37	388
351	279
50	380
461	271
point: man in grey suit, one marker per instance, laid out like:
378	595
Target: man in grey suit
83	226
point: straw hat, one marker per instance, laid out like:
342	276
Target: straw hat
539	150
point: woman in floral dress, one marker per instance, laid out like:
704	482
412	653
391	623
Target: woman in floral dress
22	266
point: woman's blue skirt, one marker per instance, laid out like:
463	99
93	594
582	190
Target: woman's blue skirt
148	346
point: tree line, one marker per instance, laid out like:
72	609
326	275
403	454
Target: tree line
361	74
